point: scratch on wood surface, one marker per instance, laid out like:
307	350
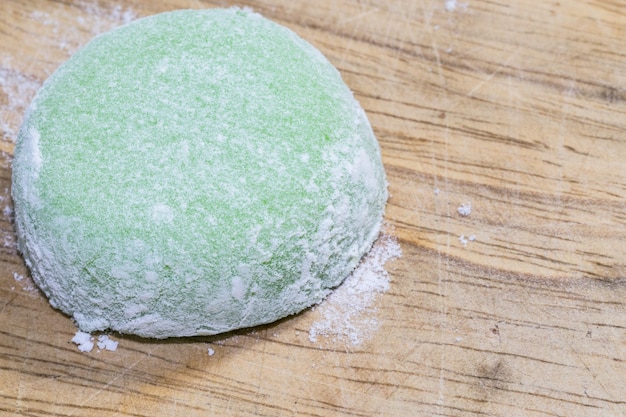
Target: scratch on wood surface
261	365
332	386
8	303
596	378
354	29
492	74
104	387
442	259
358	16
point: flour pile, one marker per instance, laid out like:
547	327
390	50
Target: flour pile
348	315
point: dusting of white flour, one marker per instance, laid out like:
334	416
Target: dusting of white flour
347	315
16	92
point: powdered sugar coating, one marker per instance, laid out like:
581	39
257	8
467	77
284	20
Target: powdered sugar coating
192	173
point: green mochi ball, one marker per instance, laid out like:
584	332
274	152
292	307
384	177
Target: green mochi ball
192	173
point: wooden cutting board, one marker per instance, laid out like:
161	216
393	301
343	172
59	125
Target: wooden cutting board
512	112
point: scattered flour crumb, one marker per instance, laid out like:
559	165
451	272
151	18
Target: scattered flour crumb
8	241
465	240
452	5
26	283
465	209
84	341
437	191
104	342
347	315
211	351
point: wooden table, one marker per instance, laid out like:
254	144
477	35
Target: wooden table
515	108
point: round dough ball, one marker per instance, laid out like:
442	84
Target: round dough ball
192	173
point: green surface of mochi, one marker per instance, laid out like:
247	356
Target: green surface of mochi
192	173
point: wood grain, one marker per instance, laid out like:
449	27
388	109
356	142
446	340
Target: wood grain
518	108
